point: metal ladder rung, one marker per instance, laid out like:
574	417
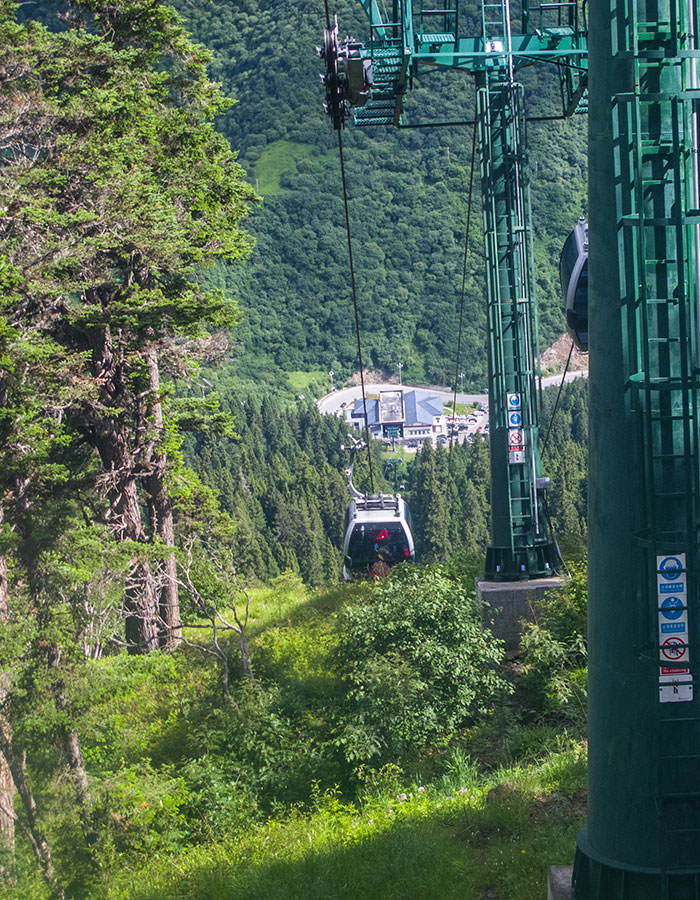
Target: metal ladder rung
684	720
680	756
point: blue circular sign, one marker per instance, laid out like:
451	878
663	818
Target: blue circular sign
670	568
672	608
515	419
514	400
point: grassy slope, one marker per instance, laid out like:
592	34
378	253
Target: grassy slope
467	830
481	818
465	841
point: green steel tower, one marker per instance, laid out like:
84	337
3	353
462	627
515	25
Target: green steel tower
642	840
369	79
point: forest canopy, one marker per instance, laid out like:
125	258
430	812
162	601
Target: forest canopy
408	196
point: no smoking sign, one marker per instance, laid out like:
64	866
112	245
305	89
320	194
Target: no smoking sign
675	649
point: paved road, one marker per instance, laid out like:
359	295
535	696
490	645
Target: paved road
331	403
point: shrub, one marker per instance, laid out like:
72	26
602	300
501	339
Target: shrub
554	653
417	666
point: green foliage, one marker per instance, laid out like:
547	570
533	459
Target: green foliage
417	665
193	794
565	459
554	655
408	201
281	484
494	834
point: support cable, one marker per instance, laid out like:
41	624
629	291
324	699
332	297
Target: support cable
464	282
352	282
556	402
354	306
544	445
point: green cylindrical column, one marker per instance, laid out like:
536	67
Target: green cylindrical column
642	839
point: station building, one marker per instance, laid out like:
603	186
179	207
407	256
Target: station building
409	416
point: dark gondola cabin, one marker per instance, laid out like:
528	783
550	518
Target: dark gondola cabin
378	532
573	272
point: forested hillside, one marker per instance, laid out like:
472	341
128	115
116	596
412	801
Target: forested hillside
408	203
281	481
190	704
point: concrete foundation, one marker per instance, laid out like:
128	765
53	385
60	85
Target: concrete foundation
509	602
559	882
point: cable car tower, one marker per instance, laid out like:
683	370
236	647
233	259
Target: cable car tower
367	82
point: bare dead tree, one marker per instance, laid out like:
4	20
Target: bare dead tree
7	789
161	510
208	608
35	832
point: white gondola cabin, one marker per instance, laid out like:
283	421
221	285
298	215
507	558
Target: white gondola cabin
377	535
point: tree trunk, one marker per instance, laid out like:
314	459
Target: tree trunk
161	514
141	603
35	832
73	750
7	791
108	426
125	519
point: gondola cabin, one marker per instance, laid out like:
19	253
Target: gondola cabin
377	535
573	272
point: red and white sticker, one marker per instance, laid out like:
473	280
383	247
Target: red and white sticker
674	649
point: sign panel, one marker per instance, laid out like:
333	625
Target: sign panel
515	420
391	406
515	439
675	688
514	401
516	456
675	679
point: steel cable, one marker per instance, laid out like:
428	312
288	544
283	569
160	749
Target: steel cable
464	283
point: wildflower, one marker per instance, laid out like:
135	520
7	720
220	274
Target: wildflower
401	797
449	797
463	790
421	789
391	812
371	822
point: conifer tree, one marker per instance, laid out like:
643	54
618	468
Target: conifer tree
117	185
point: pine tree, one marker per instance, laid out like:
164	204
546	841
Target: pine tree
118	185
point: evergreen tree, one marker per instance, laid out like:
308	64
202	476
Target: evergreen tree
118	185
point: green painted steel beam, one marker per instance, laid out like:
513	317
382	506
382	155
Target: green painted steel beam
473	55
521	544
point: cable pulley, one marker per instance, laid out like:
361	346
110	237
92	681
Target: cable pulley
348	77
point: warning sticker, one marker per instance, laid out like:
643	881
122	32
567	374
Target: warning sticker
673	588
671	566
675	679
514	401
672	608
677	688
674	648
516	456
672	627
